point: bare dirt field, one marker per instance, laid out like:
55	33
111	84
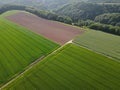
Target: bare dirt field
53	30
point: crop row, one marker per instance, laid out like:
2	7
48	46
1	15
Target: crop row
71	67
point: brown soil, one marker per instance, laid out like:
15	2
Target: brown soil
53	30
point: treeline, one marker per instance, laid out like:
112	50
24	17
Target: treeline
109	18
49	15
84	11
112	19
5	8
40	13
98	26
102	17
106	28
104	1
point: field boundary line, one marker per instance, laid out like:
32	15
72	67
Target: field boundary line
33	64
23	72
43	58
117	60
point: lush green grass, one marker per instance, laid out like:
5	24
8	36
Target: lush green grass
101	42
18	48
71	68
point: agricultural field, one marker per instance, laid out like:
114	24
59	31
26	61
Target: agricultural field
31	57
53	30
101	42
19	47
71	68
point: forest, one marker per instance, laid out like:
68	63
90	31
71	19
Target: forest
51	4
40	13
104	17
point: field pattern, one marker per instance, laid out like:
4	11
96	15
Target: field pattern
71	68
101	42
55	31
18	48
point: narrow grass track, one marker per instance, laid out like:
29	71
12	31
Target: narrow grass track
71	68
101	42
19	47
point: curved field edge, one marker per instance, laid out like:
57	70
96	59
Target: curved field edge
19	47
55	31
71	67
12	12
104	43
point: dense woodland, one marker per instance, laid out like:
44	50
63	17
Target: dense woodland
50	4
104	17
40	13
87	10
41	4
109	18
106	1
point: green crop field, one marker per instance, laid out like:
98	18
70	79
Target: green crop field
18	48
71	68
101	42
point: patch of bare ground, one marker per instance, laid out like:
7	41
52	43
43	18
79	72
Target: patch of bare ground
53	30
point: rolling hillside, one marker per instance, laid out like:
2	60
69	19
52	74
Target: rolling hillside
71	68
105	1
51	4
42	4
31	61
83	11
19	47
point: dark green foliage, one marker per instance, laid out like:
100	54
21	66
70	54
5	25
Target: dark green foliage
104	1
80	11
106	28
50	4
41	4
87	10
84	23
109	18
64	19
11	7
49	15
84	14
40	13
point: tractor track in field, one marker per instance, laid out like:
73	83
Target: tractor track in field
32	65
22	73
60	33
112	58
43	57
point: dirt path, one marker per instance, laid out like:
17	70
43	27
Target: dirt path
40	59
28	68
32	65
55	31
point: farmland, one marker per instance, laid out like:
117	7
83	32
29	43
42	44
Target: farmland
101	42
31	60
71	68
19	47
55	31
